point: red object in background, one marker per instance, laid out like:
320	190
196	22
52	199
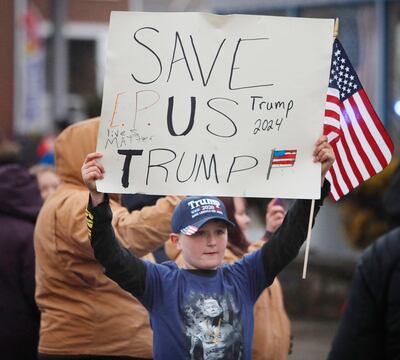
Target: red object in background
46	146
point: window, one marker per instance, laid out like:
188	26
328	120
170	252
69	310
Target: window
82	67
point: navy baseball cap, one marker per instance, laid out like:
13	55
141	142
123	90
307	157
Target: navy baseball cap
194	211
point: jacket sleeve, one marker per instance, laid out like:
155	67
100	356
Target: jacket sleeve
120	264
285	243
27	273
142	231
392	319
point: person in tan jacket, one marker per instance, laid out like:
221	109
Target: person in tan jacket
83	312
272	337
272	329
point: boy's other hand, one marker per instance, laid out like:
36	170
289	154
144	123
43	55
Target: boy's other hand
323	153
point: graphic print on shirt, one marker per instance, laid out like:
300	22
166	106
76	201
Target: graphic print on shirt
213	327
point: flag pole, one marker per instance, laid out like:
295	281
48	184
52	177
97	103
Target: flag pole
308	239
336	29
270	163
335	35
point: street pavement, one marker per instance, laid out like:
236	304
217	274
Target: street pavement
312	338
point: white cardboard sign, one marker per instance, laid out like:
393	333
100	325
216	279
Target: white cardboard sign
206	104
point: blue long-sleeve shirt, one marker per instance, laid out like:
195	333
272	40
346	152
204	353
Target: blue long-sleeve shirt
201	314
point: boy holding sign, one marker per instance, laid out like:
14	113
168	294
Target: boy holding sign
204	311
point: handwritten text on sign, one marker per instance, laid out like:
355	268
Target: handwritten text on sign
220	105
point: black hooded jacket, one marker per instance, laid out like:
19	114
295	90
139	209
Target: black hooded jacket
370	327
20	202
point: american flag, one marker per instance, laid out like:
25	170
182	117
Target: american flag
360	142
282	158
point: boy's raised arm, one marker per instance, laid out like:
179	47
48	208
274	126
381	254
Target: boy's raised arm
285	243
128	271
121	266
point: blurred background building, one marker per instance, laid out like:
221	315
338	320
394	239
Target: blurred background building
53	51
52	66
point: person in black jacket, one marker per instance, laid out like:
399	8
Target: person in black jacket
19	206
370	327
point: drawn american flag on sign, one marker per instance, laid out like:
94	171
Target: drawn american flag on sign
360	142
282	158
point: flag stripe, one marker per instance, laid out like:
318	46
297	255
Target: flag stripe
356	142
282	162
344	180
346	164
350	158
362	137
347	140
333	98
332	137
289	156
335	189
333	115
333	123
366	131
334	92
332	109
376	127
333	193
341	187
331	128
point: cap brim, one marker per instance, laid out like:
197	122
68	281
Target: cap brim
193	228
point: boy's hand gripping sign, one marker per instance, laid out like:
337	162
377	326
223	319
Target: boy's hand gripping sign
214	105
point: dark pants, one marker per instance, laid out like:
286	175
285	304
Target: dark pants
86	357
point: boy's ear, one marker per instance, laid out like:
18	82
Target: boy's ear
175	240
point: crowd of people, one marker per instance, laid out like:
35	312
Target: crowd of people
86	275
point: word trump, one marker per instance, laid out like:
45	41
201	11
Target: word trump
196	203
163	163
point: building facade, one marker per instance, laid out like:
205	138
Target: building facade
55	52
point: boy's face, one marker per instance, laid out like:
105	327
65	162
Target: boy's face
205	249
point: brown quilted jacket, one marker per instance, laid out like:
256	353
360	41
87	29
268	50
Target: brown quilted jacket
83	311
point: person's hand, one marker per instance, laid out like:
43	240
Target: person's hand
274	216
323	153
92	171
